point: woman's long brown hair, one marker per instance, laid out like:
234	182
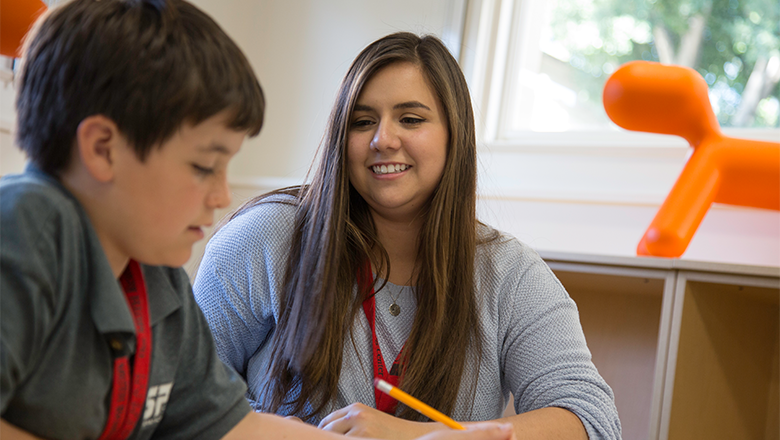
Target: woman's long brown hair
334	234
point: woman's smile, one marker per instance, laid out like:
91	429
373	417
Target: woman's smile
389	169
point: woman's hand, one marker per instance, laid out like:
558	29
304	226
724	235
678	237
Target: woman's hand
476	431
358	420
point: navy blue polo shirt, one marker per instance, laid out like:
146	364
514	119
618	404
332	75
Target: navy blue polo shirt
61	306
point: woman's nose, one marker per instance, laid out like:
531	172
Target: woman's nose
385	137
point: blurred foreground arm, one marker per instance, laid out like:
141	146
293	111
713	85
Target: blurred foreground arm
272	427
11	432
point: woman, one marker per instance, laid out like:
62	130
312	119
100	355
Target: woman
311	292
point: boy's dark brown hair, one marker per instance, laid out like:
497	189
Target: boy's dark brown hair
149	65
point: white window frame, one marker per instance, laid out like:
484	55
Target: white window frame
488	56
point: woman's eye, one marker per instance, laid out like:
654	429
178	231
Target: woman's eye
412	120
203	171
361	123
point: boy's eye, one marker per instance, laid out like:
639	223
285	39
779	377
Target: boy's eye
203	171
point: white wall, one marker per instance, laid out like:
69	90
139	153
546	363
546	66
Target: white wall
11	159
301	50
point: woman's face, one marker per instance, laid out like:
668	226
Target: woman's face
397	142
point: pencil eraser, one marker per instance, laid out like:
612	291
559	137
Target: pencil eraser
382	386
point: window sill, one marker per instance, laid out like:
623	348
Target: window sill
585	167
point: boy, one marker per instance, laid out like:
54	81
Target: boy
129	111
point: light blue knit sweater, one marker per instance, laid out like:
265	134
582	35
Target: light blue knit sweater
533	342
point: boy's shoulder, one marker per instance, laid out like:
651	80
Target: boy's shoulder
34	192
31	200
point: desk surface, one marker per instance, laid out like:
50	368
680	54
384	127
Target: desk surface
660	263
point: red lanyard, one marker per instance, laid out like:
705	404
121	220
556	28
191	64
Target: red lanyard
383	401
127	403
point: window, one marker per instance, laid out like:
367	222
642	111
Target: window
537	67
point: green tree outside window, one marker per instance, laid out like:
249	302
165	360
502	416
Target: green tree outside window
733	44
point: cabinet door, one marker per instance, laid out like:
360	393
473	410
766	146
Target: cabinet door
722	374
623	318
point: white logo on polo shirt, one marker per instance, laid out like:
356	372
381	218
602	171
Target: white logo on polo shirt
156	400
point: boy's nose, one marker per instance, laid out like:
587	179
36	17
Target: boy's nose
220	196
385	138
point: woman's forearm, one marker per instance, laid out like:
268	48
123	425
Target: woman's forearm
547	423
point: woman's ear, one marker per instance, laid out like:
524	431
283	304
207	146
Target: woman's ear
97	139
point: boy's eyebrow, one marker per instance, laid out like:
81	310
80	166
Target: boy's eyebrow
218	148
401	105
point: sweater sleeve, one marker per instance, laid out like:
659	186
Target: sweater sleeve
238	279
545	357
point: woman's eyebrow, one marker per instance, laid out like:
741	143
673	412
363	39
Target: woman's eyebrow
411	104
362	108
401	105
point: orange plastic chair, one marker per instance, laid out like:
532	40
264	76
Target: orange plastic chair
16	18
656	98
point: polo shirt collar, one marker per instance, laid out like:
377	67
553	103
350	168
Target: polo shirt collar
110	310
163	300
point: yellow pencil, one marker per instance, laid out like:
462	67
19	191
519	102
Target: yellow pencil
415	404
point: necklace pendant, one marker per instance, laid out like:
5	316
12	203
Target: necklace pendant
395	309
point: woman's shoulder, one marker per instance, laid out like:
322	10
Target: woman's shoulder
506	264
500	246
268	214
265	221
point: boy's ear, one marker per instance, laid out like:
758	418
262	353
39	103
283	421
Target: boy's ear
97	141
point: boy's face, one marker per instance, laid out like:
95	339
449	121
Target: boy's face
160	206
